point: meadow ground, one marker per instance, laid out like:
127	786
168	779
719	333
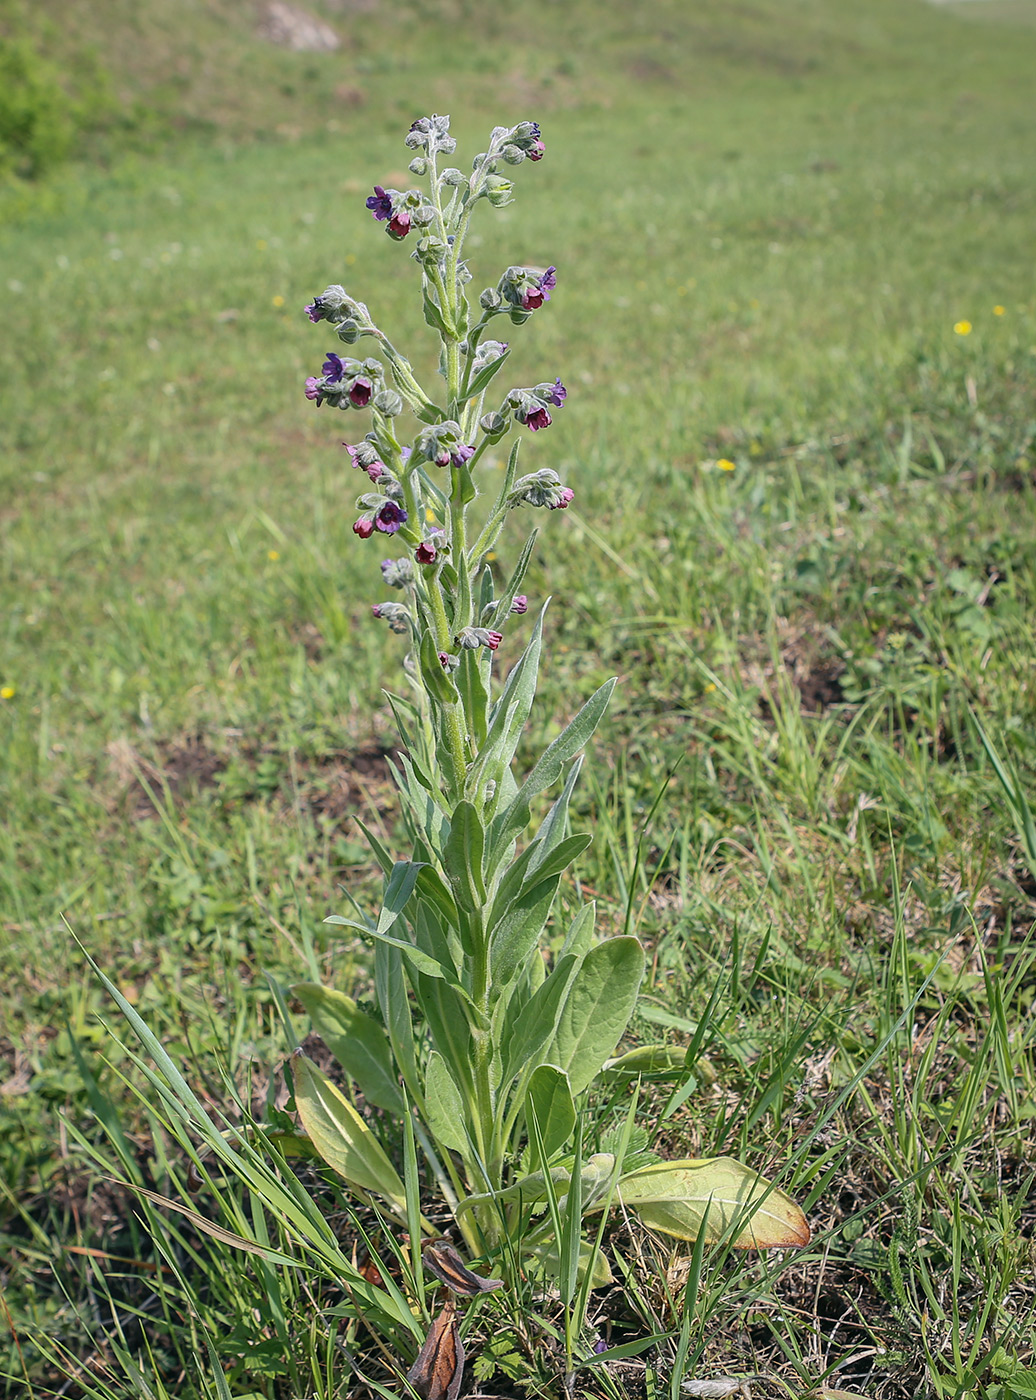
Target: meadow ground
797	319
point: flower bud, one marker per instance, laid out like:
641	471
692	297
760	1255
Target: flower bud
424	215
490	300
431	134
453	177
519	603
514	155
499	191
395	614
364	527
494	425
397	573
448	662
389	403
330	305
469	638
348	332
420	165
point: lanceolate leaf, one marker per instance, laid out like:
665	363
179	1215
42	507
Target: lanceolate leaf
518	932
341	1136
462	857
356	1041
673	1197
598	1009
444	1106
550	764
536	1023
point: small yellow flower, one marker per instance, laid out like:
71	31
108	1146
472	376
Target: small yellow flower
429	515
7	692
350	259
278	301
261	244
962	328
999	310
726	465
273	555
710	687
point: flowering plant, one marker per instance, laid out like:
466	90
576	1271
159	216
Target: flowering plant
488	1034
485	1039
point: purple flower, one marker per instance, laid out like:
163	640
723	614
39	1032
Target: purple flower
519	603
556	395
333	368
536	150
313	387
537	419
364	527
376	609
426	552
389	518
461	455
567	497
399	224
380	204
534	296
313	311
448	662
360	393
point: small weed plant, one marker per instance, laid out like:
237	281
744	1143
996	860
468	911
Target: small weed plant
481	1125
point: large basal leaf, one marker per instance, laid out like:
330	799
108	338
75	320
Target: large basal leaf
549	1098
341	1136
674	1197
356	1041
598	1009
543	1261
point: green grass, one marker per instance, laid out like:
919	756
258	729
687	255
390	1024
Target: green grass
767	221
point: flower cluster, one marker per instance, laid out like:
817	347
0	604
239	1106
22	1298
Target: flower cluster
406	500
345	383
530	405
542	488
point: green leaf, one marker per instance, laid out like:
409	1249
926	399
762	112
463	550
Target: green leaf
580	937
356	1040
472	686
543	1260
341	1136
462	857
514	583
508	717
444	1107
446	1014
555	859
533	1188
674	1196
415	956
485	376
390	985
436	681
598	1009
536	1022
656	1060
548	768
518	931
434	318
549	1098
398	889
